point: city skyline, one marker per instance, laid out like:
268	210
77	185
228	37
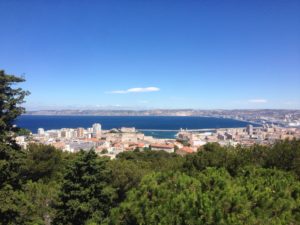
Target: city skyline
154	55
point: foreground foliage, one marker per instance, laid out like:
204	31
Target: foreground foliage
255	196
217	185
85	193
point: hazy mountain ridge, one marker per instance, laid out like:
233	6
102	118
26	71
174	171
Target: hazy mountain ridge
164	112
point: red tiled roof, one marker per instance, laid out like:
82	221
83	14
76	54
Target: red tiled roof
187	149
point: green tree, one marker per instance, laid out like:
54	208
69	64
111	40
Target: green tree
40	198
213	196
162	198
285	155
10	105
229	157
125	175
273	196
156	160
11	157
10	154
43	162
104	151
85	194
14	207
210	155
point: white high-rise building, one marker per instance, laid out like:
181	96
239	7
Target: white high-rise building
41	131
97	130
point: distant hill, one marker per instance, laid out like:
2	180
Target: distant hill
169	112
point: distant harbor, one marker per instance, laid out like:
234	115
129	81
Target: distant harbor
156	126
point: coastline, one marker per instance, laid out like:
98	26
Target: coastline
158	126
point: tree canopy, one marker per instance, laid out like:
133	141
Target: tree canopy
85	193
255	196
10	104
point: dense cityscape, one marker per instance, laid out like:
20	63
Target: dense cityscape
112	142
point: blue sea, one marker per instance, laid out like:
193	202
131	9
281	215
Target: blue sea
157	126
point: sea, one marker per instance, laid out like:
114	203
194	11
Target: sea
156	126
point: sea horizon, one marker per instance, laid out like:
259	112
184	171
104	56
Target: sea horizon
156	126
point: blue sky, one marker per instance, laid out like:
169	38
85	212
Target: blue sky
204	54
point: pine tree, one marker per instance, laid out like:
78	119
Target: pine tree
10	109
85	194
10	105
11	156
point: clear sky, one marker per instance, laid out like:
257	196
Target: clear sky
203	54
